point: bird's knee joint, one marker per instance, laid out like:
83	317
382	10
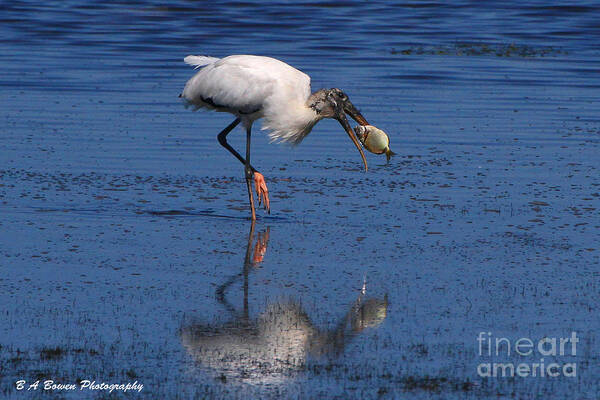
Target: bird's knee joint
249	172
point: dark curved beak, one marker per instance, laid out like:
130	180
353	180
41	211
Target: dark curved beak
353	112
341	117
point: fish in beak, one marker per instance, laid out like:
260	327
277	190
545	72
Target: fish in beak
348	107
375	140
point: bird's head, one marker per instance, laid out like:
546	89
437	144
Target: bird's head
334	103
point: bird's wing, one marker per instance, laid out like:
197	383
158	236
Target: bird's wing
244	83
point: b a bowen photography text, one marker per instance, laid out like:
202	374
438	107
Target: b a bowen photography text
531	354
49	385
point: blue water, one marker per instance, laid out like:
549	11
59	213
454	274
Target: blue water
124	239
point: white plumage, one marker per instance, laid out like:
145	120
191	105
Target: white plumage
253	87
199	61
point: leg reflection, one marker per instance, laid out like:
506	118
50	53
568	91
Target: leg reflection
251	261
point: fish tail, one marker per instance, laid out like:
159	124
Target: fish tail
389	153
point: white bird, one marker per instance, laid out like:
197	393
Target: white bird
252	87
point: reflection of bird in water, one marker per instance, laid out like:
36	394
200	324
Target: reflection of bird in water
278	342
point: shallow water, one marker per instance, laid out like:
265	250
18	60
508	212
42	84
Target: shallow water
125	245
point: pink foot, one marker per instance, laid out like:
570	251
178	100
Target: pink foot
261	191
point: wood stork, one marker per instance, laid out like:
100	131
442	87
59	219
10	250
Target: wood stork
252	87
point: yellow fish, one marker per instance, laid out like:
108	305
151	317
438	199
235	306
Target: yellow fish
375	140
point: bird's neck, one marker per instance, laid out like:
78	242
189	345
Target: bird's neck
290	122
